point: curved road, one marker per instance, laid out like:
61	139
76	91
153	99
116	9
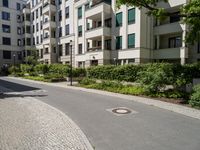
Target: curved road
147	128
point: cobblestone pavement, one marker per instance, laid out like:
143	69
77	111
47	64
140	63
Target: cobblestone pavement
29	124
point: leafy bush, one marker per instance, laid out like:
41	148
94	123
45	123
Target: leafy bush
87	81
195	98
79	72
54	77
156	77
26	68
13	69
59	69
41	68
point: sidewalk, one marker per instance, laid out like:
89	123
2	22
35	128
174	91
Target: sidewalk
187	111
29	124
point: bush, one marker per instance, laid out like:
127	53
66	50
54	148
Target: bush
195	98
79	72
87	81
26	68
120	73
41	68
59	69
13	69
156	77
54	77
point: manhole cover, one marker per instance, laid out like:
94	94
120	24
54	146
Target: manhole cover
119	111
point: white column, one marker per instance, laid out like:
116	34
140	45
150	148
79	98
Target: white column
103	19
183	49
102	42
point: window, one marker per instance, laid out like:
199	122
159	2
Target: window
19	31
18	6
6	28
19	42
40	11
41	38
60	15
60	50
33	16
67	12
6	54
79	12
79	31
87	6
37	40
28	29
37	27
131	16
37	13
175	42
33	29
59	2
41	25
67	49
28	41
60	32
131	40
6	41
119	19
18	18
119	42
67	29
5	15
19	55
5	3
80	48
175	17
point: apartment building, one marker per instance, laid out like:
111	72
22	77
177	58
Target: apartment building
11	32
95	32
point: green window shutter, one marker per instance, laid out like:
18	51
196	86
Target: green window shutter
80	12
131	15
119	19
131	40
119	42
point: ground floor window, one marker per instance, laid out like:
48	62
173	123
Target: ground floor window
94	62
6	54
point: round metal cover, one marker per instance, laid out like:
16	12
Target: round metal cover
121	111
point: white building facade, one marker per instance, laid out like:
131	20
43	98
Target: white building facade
95	32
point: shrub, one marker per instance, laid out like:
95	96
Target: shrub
59	69
195	98
26	68
78	72
13	69
54	77
156	77
41	68
87	81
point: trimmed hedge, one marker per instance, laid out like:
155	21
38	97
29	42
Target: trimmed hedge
195	98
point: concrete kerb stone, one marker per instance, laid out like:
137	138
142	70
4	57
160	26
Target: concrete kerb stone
187	111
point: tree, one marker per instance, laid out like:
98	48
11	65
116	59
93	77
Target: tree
190	14
33	58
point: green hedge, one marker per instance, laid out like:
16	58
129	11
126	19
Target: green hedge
195	98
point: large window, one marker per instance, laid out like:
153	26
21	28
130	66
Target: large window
175	42
6	41
79	12
5	15
6	28
6	54
18	6
80	48
60	15
119	19
67	12
79	31
119	42
5	3
67	29
131	16
67	49
131	40
60	32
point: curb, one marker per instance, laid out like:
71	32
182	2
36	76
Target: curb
190	112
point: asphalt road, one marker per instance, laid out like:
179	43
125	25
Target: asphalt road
148	128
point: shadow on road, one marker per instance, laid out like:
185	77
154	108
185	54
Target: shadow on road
15	87
5	95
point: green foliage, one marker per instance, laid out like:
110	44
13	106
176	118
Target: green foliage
156	77
41	68
13	69
54	77
195	98
26	68
78	72
31	60
120	73
87	81
59	69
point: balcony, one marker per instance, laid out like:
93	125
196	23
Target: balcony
49	41
99	31
171	3
49	24
98	7
169	28
48	7
171	53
